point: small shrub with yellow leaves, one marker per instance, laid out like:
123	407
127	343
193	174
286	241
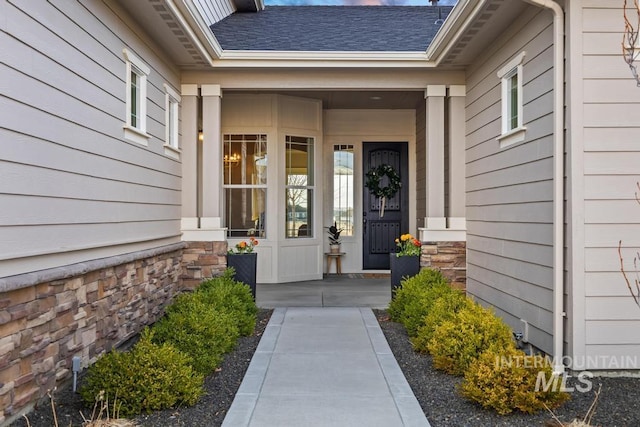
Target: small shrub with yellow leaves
471	331
443	309
505	380
413	301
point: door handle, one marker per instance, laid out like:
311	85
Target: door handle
364	225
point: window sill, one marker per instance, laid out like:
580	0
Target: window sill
172	151
512	137
136	135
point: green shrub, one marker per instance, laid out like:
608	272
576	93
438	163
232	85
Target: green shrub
506	380
414	300
199	330
147	378
225	293
443	309
459	341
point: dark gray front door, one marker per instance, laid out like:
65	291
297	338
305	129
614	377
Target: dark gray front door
379	234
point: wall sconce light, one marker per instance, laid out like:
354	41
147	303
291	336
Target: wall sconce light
231	160
200	135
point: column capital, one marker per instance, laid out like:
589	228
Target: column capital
457	90
189	90
211	90
435	90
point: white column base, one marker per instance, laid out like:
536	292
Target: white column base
189	223
436	223
210	230
437	231
446	235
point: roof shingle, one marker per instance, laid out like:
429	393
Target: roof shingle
332	28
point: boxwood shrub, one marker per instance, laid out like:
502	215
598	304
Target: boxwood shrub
199	330
226	294
149	377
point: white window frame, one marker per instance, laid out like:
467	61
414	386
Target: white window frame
135	65
171	104
511	134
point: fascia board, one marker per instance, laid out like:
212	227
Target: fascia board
461	17
304	59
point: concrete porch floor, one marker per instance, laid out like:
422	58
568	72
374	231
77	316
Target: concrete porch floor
347	290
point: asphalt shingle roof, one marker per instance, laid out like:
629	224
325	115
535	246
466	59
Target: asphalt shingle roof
332	28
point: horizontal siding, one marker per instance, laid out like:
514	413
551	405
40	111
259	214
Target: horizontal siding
213	11
72	188
509	191
611	158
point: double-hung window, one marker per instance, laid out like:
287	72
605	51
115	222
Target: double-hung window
135	127
244	165
172	103
299	186
510	75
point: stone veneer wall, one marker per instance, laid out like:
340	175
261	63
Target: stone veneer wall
88	310
201	260
448	257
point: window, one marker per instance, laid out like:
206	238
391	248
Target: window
135	127
244	165
343	188
511	82
172	102
299	189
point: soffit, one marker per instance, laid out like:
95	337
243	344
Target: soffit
161	25
490	22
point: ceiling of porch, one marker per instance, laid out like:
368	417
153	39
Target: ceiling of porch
393	100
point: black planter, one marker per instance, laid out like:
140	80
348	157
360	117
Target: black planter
245	269
401	267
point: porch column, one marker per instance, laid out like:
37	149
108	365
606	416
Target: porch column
435	134
211	219
189	156
456	133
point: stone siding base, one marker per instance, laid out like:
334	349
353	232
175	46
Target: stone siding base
43	326
448	257
202	260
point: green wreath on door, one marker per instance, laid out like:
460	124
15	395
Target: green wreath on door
375	175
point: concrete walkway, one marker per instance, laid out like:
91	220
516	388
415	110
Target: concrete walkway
324	366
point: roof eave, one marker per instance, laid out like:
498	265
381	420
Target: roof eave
328	59
461	17
196	28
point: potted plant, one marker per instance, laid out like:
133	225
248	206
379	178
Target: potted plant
334	238
405	262
244	261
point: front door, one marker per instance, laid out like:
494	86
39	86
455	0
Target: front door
380	229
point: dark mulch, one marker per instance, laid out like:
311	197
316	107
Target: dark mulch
618	405
220	388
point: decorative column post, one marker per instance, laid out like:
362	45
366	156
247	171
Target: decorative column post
205	255
457	187
189	157
212	162
435	95
444	236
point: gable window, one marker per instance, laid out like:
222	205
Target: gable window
135	127
172	103
244	165
510	75
299	189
